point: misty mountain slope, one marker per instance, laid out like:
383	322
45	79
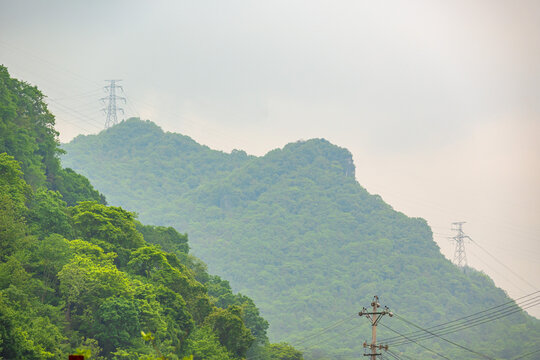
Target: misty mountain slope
296	232
173	164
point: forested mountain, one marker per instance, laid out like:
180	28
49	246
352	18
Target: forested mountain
296	232
78	276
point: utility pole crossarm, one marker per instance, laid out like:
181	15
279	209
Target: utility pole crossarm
374	317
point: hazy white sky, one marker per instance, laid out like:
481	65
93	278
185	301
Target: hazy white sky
439	101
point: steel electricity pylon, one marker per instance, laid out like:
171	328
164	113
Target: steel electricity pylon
460	258
111	109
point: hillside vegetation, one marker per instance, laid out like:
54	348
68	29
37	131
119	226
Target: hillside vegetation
296	232
78	276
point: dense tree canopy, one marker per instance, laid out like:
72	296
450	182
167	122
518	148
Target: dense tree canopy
28	134
77	276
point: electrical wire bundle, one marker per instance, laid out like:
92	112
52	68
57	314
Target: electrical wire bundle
484	316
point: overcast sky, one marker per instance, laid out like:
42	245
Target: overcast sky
439	101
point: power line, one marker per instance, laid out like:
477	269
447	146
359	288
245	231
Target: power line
476	316
87	94
440	337
77	114
466	326
333	336
500	262
501	274
397	356
459	256
310	337
527	354
412	340
475	322
413	337
313	336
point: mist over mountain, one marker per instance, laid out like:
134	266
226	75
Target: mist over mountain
295	231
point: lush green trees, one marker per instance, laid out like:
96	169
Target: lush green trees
206	346
230	330
75	188
284	351
28	134
77	276
48	213
166	237
24	118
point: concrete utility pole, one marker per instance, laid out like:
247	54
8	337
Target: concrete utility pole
460	258
111	108
375	316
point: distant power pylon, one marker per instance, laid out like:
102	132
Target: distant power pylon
460	258
112	109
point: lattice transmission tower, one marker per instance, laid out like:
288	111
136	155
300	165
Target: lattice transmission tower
111	109
460	258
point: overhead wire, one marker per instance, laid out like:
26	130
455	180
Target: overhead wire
527	354
459	321
134	103
442	338
80	95
412	340
501	274
500	262
323	331
395	354
313	336
469	325
476	322
392	354
58	100
326	339
88	120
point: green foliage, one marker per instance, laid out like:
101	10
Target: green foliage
284	351
117	322
230	330
296	232
27	133
24	118
223	297
112	228
76	188
167	237
13	188
77	276
206	346
48	214
14	193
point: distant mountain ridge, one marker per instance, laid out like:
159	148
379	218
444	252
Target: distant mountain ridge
296	232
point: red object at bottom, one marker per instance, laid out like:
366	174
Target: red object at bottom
76	357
